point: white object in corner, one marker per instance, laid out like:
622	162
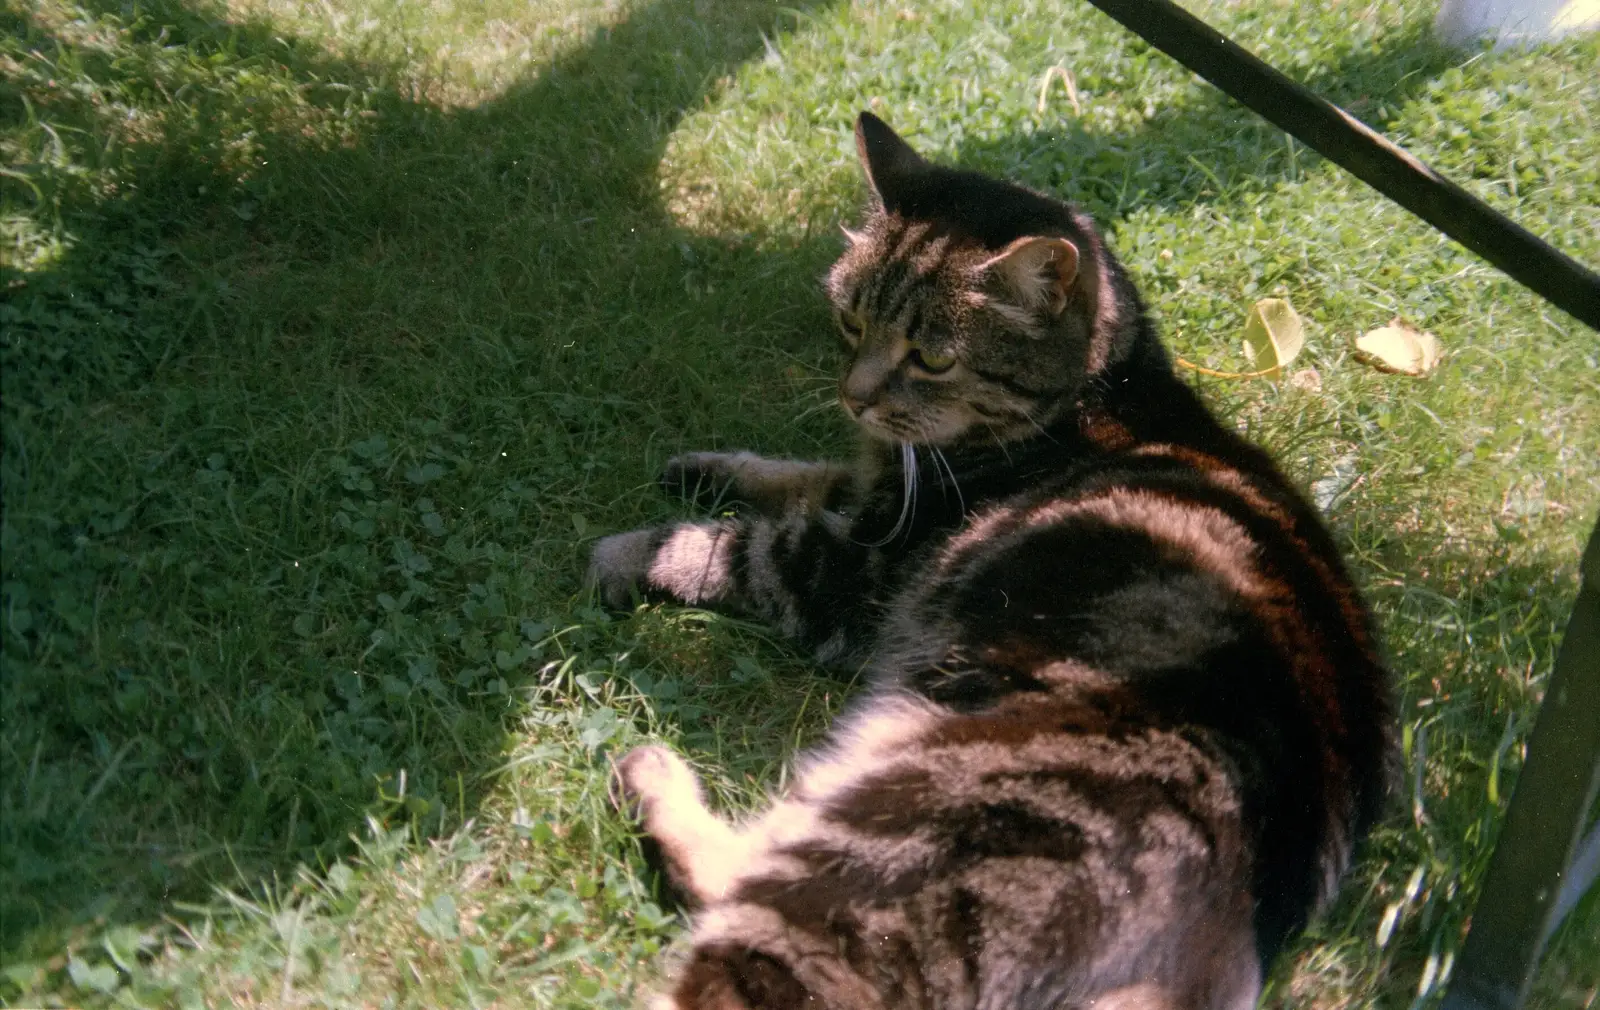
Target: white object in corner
1514	22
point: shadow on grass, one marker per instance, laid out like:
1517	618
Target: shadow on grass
299	427
301	431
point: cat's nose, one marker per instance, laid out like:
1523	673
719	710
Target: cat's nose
855	404
857	394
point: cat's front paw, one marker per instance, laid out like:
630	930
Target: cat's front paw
618	566
705	478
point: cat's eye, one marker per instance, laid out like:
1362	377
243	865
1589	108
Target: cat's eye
851	326
931	362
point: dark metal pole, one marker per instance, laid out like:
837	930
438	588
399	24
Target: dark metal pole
1344	140
1517	908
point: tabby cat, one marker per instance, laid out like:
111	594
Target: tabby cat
1125	718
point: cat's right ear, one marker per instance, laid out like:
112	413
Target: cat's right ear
888	160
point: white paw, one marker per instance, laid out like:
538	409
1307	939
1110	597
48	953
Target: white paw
649	778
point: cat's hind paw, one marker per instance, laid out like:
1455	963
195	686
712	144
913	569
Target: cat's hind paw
695	851
648	778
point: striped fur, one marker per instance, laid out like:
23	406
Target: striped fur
1126	720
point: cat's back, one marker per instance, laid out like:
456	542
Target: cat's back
1175	589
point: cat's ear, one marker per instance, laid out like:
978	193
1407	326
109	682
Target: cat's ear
1041	271
737	978
888	160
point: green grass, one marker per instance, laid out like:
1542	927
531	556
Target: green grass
334	334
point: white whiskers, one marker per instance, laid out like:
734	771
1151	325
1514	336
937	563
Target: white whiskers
999	442
942	467
1037	426
938	458
908	494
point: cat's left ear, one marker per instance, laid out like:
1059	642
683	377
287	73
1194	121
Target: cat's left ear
1042	271
889	161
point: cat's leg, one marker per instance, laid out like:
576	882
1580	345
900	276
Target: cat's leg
771	486
802	573
700	854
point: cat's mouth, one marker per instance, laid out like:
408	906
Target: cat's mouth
945	425
888	424
883	425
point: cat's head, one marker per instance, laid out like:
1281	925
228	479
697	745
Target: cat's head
973	310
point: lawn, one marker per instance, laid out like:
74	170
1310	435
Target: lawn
334	334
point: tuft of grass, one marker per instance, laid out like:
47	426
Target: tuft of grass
331	336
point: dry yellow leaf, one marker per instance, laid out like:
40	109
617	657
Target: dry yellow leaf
1273	335
1400	347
